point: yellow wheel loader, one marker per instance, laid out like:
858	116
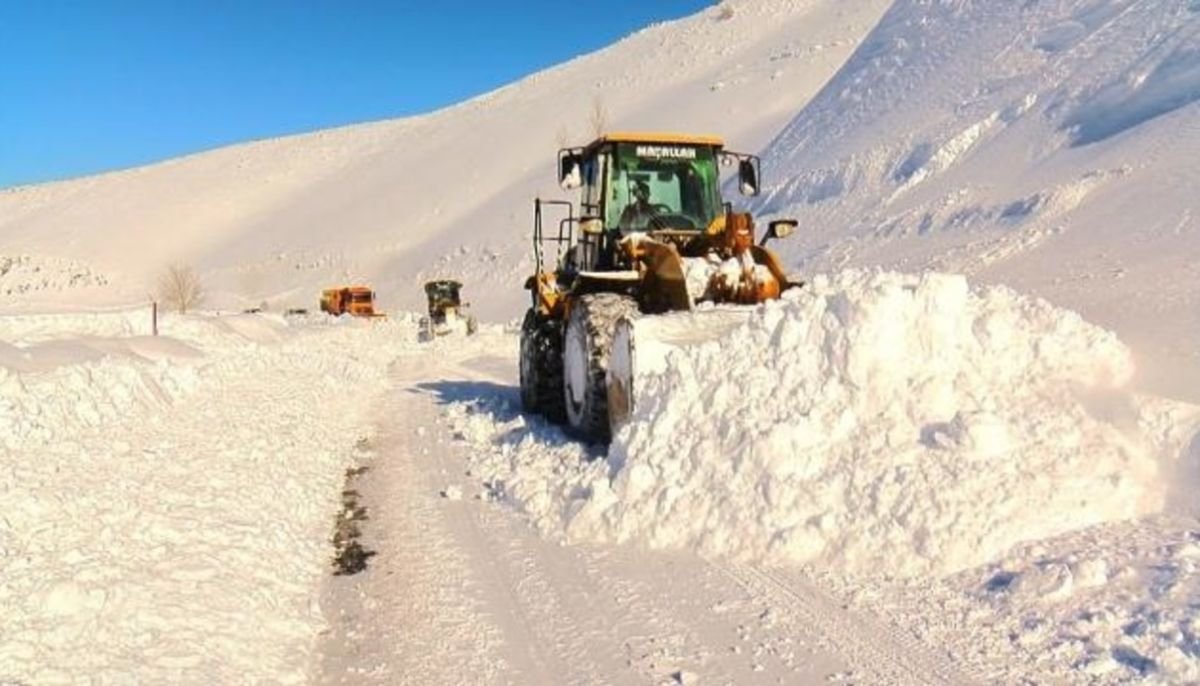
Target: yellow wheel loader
651	243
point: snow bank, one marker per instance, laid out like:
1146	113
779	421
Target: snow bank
59	382
166	504
41	327
873	422
50	388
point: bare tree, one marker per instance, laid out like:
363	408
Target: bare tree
598	117
179	287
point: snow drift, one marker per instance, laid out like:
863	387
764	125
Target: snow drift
166	502
874	422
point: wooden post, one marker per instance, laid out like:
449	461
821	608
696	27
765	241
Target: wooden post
154	316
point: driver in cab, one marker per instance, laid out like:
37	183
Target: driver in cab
639	212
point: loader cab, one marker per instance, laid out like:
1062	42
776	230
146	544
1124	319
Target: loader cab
443	295
631	182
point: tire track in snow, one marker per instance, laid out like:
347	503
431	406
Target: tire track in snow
417	615
688	616
879	654
589	621
535	618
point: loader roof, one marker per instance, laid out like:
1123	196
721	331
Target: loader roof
352	289
657	137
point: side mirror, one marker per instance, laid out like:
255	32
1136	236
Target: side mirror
780	228
569	171
747	176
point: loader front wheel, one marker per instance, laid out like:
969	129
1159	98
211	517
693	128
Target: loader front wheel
621	363
586	347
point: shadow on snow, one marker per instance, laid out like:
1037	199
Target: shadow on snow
501	405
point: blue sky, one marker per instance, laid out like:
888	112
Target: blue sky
93	85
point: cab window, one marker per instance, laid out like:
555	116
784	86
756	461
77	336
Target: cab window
669	186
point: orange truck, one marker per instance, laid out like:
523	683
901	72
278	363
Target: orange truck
357	301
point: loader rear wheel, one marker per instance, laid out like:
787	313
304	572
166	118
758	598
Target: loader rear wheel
541	366
586	345
528	367
550	373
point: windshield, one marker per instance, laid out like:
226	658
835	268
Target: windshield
662	187
443	291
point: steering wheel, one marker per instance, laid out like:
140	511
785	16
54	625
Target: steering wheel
659	208
669	220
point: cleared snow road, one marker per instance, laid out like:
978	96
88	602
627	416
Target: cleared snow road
463	590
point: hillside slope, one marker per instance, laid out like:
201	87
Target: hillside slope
391	202
1049	146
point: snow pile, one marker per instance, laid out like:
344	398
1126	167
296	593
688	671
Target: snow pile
873	422
31	328
53	381
167	503
889	422
89	382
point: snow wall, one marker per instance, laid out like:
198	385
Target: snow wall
872	422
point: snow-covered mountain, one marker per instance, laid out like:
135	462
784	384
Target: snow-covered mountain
445	194
1047	145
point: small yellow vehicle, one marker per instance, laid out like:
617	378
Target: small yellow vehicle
357	301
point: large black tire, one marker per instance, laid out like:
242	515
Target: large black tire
541	366
529	363
586	345
550	372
